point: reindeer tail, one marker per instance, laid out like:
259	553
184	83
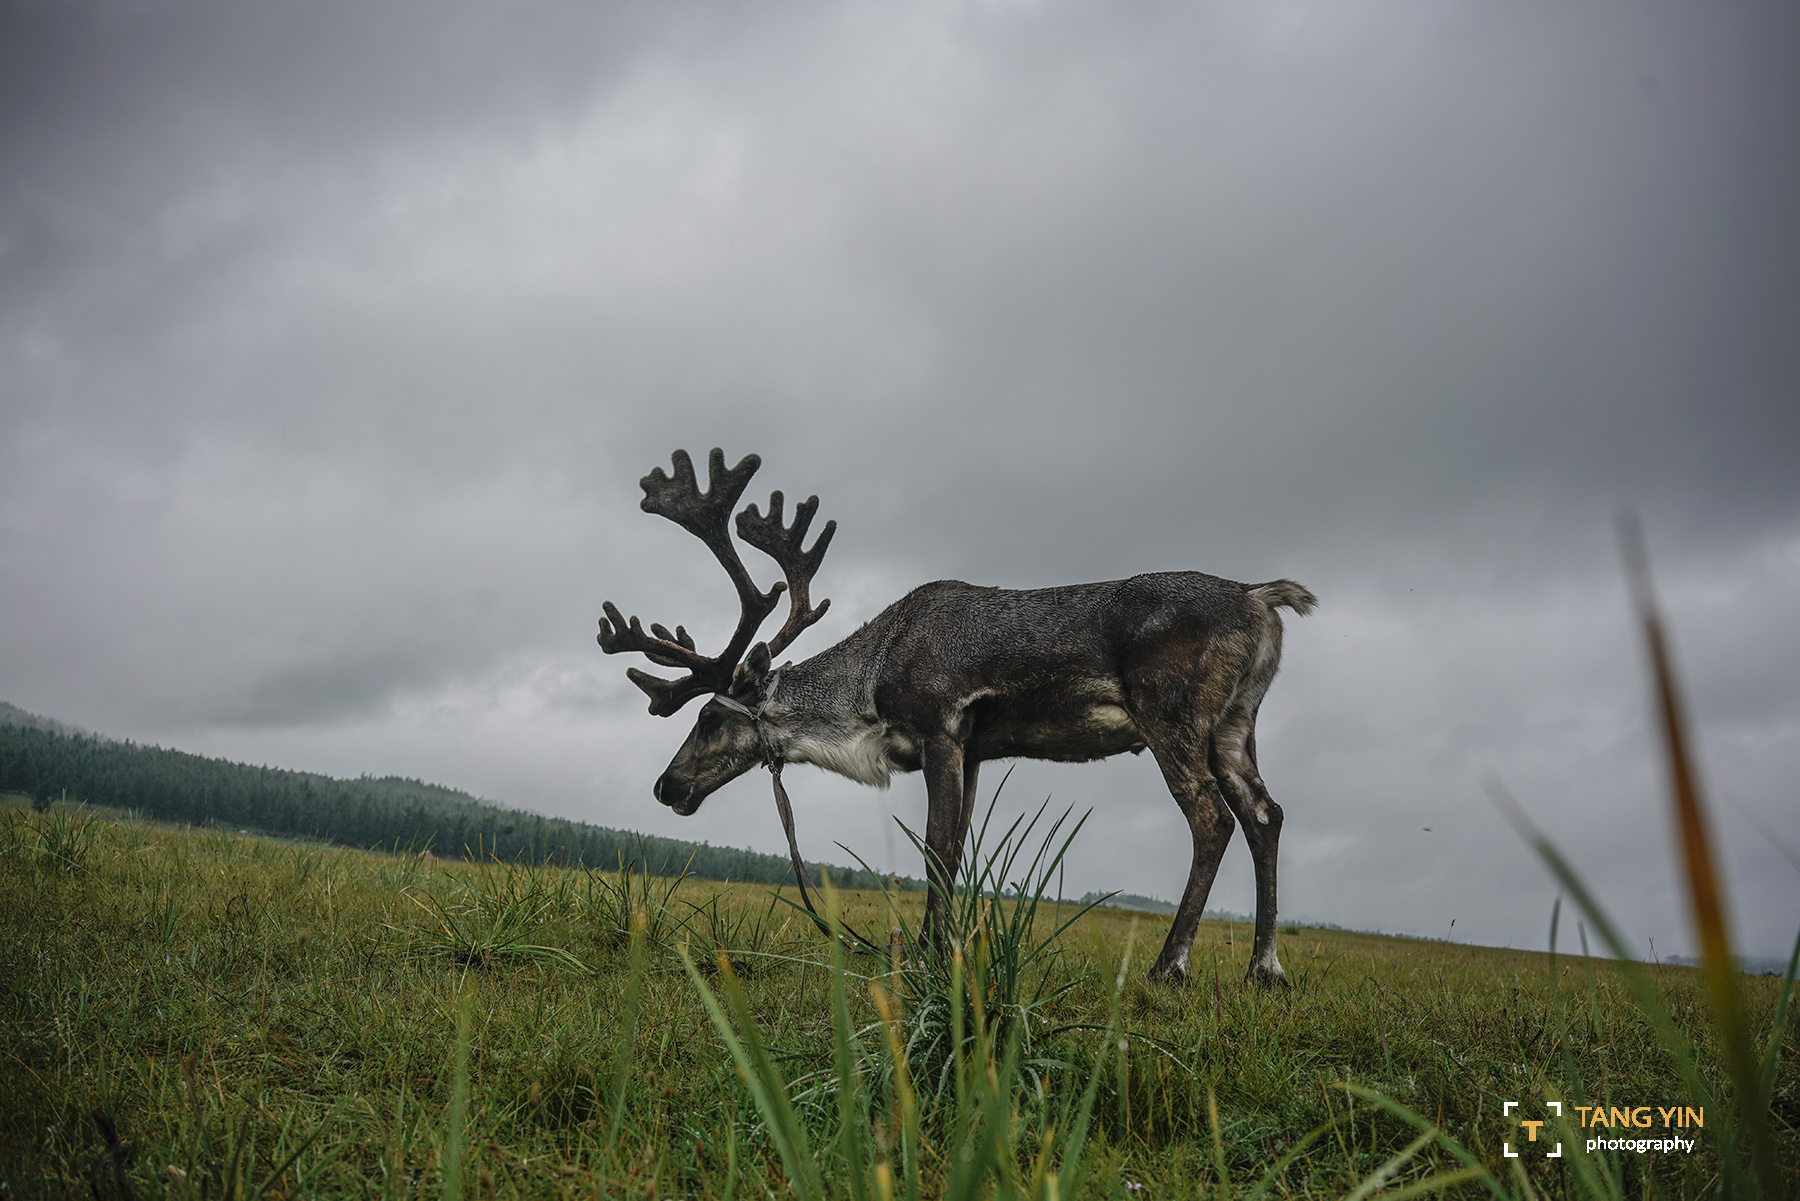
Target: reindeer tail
1279	593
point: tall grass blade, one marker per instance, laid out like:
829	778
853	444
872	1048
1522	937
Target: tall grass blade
1441	1181
1273	1174
1772	1056
1705	898
1476	1170
1072	1167
455	1132
281	1170
854	1141
904	1108
1218	1141
1643	991
1388	1170
626	1044
768	1088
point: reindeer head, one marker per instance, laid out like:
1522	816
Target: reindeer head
725	741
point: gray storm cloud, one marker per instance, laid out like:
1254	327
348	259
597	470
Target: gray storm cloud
334	338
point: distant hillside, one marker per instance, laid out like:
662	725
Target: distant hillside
15	716
404	789
1144	904
46	759
1128	900
1750	965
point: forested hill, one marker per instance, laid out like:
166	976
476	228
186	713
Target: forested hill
45	760
13	715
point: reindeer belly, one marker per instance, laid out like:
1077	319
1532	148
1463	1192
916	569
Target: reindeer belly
1071	734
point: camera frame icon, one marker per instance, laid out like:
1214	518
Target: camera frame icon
1531	1128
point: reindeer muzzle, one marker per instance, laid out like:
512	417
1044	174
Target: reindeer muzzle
677	797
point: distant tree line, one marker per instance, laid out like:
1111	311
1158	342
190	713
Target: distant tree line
1128	900
390	813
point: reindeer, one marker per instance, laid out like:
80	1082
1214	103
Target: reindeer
953	675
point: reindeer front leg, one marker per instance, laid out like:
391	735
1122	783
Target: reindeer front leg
947	804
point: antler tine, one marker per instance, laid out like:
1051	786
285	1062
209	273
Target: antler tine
680	500
705	515
666	696
784	545
662	647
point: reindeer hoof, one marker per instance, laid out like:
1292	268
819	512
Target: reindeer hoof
1267	977
1173	974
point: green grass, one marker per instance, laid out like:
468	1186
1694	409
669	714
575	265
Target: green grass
255	1018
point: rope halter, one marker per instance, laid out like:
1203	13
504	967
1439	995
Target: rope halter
771	759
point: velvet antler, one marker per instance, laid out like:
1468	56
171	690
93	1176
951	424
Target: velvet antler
706	515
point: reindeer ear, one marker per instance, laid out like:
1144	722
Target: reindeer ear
748	678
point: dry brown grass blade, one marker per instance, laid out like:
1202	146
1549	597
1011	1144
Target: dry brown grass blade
1705	897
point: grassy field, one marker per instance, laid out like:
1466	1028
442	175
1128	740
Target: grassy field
211	1014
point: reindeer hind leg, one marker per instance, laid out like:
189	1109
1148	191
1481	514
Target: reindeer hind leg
1181	751
1179	696
1234	764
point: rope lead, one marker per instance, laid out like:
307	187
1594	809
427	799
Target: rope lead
774	763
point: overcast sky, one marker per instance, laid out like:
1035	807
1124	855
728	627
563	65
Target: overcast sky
334	338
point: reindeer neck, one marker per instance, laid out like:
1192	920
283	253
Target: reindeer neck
822	712
822	689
